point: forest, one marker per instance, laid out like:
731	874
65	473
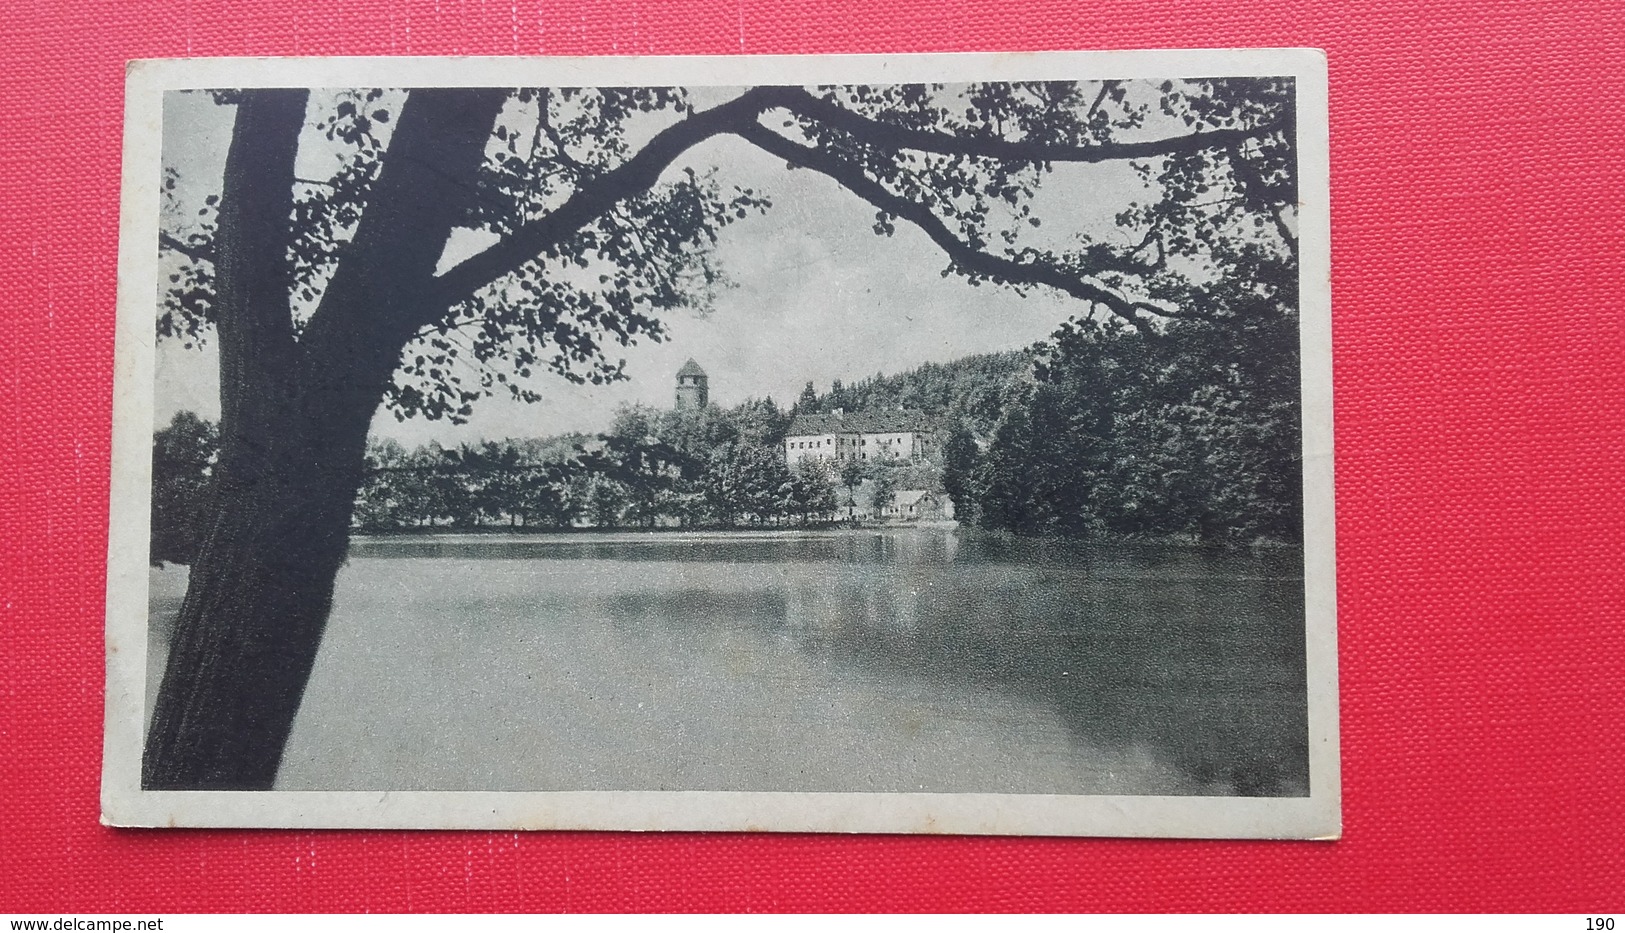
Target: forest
1189	432
709	467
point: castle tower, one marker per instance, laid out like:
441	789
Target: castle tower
693	390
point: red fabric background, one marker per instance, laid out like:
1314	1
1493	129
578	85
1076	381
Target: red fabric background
1479	278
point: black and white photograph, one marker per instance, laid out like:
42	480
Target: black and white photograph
852	444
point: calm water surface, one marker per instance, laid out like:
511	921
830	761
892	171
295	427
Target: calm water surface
898	660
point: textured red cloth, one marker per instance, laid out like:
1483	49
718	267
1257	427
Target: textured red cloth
1478	287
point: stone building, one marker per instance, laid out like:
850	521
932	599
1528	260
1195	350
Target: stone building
896	434
693	387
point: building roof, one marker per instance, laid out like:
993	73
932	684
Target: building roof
894	421
690	368
906	497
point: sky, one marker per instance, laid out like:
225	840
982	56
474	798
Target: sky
815	295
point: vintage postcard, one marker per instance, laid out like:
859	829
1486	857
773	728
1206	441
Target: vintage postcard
849	444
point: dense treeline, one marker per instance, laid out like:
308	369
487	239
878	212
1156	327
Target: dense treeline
706	467
692	467
520	483
1189	430
969	391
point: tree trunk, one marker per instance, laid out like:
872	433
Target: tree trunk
256	605
232	678
294	422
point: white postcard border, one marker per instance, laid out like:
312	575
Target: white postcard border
124	803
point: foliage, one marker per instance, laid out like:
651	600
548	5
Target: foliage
681	466
959	481
807	402
882	486
963	162
515	483
812	491
852	473
968	391
1193	431
183	459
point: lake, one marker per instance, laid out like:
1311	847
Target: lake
859	660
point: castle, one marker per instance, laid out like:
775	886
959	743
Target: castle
840	436
896	434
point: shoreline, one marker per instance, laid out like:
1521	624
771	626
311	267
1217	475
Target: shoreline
547	536
633	535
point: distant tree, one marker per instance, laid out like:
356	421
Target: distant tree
452	495
183	460
696	432
760	423
384	500
747	482
882	486
503	477
807	403
959	463
1008	474
852	474
414	486
538	498
634	423
575	491
767	483
606	501
647	468
812	493
724	485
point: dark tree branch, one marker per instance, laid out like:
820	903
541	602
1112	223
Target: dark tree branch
739	115
377	297
544	124
966	257
872	131
633	177
1100	98
1260	194
199	253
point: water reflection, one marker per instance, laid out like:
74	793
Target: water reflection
855	661
866	547
1196	654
